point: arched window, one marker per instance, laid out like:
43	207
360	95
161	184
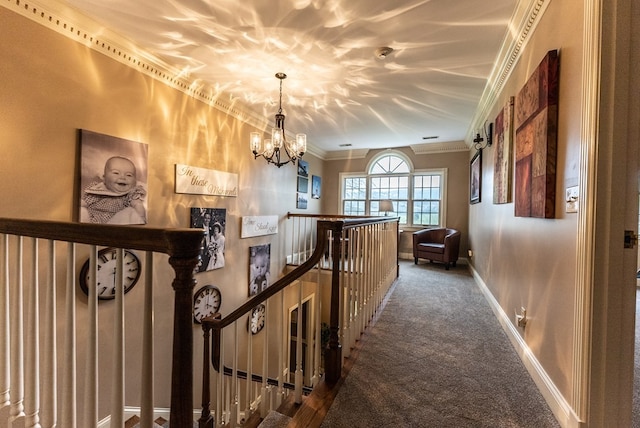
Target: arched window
417	196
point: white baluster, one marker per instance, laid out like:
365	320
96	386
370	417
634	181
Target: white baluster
234	380
146	393
5	377
117	390
298	242
50	353
91	375
249	383
69	384
32	353
281	350
264	402
297	398
317	344
17	343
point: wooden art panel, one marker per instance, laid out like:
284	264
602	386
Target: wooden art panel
503	155
536	123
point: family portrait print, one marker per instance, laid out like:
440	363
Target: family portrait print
212	221
113	180
259	268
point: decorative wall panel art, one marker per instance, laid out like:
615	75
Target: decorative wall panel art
503	155
536	124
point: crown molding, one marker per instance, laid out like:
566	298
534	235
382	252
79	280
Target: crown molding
82	29
524	20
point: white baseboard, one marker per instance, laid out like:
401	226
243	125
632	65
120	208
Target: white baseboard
559	405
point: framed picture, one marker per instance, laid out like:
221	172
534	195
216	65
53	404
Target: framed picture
113	180
536	125
259	268
213	221
316	186
303	168
503	155
475	178
302	200
303	185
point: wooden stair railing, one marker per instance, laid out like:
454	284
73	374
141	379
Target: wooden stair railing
183	247
212	326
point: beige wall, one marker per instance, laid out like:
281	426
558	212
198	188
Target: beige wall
457	165
528	262
50	87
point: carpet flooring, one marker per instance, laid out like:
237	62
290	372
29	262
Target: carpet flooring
437	357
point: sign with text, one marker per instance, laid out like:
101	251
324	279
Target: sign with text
200	181
259	225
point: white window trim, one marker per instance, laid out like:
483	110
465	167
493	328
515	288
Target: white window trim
444	172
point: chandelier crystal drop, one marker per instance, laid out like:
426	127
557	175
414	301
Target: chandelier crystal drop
271	149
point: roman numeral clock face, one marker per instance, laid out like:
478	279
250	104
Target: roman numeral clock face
106	278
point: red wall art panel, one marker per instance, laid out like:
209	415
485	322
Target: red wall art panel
536	124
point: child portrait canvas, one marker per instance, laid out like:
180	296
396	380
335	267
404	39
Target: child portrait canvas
259	268
113	180
213	221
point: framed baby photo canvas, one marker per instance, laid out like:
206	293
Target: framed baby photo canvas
113	180
259	268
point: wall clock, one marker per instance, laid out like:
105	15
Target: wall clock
257	319
206	302
106	280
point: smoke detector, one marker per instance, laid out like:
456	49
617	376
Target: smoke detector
383	51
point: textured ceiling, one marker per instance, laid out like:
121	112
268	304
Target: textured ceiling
337	90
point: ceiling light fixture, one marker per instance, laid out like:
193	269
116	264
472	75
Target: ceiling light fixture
271	148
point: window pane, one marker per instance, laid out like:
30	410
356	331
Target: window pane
389	164
427	195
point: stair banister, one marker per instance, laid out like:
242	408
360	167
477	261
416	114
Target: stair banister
183	247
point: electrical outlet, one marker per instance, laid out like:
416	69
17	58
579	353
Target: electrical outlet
521	318
470	252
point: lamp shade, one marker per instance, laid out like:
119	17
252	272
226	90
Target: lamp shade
386	205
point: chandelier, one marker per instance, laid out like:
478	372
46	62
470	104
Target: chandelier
271	149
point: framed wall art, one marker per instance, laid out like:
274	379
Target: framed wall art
303	168
503	155
301	202
303	184
536	123
213	221
316	187
259	268
475	178
113	179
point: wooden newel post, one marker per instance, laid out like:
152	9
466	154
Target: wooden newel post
184	257
333	353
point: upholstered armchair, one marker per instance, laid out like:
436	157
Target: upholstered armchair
438	244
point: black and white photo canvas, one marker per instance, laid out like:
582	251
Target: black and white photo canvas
212	221
259	268
113	180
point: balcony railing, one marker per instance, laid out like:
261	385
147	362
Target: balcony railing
344	267
43	347
56	343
